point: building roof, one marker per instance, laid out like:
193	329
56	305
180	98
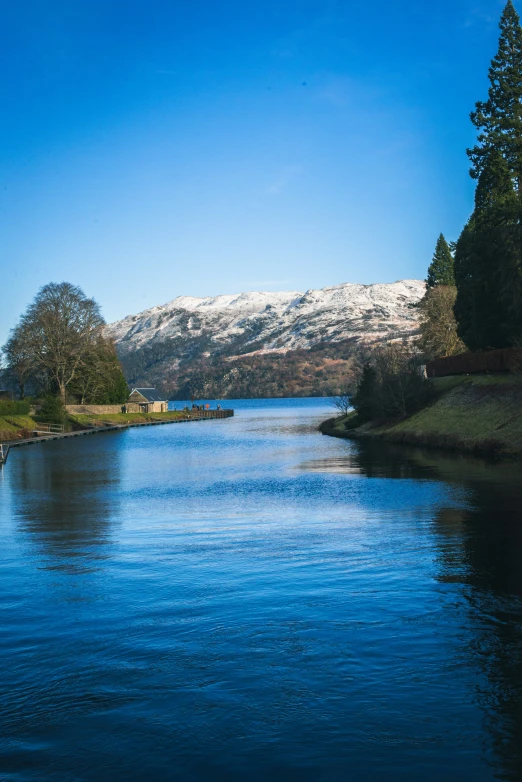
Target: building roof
150	394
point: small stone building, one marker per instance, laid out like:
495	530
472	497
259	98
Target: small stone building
146	400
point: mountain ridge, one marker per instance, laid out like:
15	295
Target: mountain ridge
166	343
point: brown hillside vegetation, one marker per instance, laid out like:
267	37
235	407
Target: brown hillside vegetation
320	371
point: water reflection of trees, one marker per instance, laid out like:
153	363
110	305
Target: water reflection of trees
491	549
66	495
480	548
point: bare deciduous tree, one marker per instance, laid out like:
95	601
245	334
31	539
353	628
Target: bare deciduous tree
342	400
96	374
59	330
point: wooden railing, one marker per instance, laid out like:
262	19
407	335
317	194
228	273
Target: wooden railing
48	429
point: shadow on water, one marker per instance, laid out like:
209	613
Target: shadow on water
479	549
65	498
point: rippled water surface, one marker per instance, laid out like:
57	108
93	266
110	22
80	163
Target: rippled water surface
247	599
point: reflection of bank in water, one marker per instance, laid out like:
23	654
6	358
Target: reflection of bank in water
478	545
381	459
67	501
480	549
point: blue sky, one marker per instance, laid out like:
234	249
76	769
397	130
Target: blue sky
159	148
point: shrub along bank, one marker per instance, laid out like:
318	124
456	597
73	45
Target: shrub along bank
475	414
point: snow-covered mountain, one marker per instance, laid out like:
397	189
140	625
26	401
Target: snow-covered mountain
276	320
190	329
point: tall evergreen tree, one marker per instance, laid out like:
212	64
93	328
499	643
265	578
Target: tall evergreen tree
499	118
488	263
440	271
467	307
488	255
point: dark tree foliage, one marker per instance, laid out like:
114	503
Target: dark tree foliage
118	390
366	398
488	255
467	304
391	384
499	118
52	411
21	367
488	263
440	271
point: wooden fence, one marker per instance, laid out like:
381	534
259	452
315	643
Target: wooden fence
491	361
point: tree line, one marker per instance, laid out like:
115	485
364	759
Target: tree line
474	286
488	253
58	349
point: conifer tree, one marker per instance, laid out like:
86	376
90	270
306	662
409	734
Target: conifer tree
488	255
488	263
440	271
365	399
499	118
466	309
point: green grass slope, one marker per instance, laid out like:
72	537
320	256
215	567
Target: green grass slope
15	427
479	414
20	427
87	421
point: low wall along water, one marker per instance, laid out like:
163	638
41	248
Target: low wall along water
95	409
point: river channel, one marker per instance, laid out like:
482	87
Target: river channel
248	599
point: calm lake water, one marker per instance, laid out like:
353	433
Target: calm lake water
247	599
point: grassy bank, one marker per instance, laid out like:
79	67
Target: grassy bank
480	414
20	427
15	427
111	419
